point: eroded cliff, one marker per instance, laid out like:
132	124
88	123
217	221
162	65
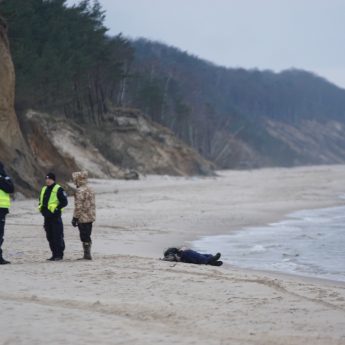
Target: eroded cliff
14	152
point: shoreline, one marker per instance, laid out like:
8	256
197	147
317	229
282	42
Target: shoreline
179	238
280	273
288	276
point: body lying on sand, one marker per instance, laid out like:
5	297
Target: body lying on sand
190	256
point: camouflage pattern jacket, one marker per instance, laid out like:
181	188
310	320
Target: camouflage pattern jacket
84	199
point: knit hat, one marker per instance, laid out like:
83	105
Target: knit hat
51	176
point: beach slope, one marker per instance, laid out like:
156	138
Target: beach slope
127	296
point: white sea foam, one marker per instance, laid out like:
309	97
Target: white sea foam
258	248
308	242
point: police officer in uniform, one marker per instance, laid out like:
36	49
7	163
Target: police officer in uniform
51	202
6	187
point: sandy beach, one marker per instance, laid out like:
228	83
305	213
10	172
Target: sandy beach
127	296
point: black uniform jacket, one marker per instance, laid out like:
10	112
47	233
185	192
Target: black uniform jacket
6	185
62	197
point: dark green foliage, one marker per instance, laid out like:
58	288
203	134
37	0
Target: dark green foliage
149	96
63	58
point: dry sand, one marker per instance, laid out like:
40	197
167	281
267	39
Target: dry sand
127	296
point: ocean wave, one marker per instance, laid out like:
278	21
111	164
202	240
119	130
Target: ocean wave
308	242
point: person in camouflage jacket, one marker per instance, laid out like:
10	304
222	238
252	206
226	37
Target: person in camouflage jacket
84	210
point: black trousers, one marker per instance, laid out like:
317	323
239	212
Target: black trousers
85	230
2	232
55	236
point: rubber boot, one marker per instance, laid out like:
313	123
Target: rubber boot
217	263
4	262
214	259
87	251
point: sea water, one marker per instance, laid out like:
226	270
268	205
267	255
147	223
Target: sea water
308	243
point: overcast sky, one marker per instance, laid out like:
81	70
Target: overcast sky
264	34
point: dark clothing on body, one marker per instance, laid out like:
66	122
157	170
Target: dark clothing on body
192	257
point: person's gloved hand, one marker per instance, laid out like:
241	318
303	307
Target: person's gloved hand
74	222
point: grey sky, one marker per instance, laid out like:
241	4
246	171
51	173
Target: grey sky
264	34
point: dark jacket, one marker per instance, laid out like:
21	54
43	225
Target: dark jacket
192	257
63	202
6	185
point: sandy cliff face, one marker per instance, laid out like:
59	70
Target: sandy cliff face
126	141
312	141
63	147
280	143
9	127
18	160
132	141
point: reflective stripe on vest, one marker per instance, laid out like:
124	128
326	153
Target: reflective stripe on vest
5	200
53	202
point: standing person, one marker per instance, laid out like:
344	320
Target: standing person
6	188
52	201
84	211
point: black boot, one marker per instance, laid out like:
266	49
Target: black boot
55	258
217	263
87	251
4	262
214	259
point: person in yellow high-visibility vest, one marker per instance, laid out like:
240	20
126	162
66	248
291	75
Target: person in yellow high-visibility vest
52	200
6	188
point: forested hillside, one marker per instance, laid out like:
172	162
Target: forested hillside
67	65
64	60
208	106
